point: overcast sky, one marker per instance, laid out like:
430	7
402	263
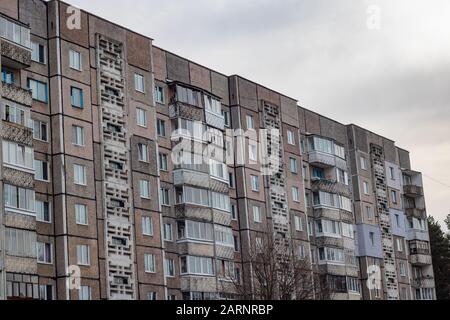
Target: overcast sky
394	80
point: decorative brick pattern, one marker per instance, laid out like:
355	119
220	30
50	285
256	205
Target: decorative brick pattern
15	52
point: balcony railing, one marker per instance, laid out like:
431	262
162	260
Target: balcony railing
421	259
413	191
16	94
181	110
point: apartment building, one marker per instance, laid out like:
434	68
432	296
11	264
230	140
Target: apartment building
107	194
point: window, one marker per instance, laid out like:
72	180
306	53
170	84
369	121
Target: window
44	253
402	268
39	90
76	97
191	195
392	173
81	214
236	244
139	84
19	198
165	201
141	116
250	122
295	194
231	180
298	223
394	196
163	162
257	217
348	230
143	152
40	131
79	174
167	232
188	96
233	212
78	136
226	116
45	292
159	95
43	213
372	238
369	213
310	227
37	52
339	151
147	226
253	152
220	201
75	60
224	236
397	220
161	127
301	252
331	255
84	293
83	255
213	105
322	145
7	76
195	230
305	172
15	113
18	155
197	265
258	244
291	137
152	296
399	245
366	188
149	263
144	188
169	267
342	176
353	285
318	173
328	227
293	163
363	162
255	183
41	168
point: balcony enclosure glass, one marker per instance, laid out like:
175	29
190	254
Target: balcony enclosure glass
14	32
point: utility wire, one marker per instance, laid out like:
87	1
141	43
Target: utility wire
436	180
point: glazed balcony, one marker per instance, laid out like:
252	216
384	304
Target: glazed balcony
15	43
16	94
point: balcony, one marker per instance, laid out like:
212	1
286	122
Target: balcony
419	213
321	159
225	252
330	186
420	259
195	248
413	191
16	94
424	282
417	234
191	283
190	211
326	213
215	120
324	240
15	43
181	110
189	177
